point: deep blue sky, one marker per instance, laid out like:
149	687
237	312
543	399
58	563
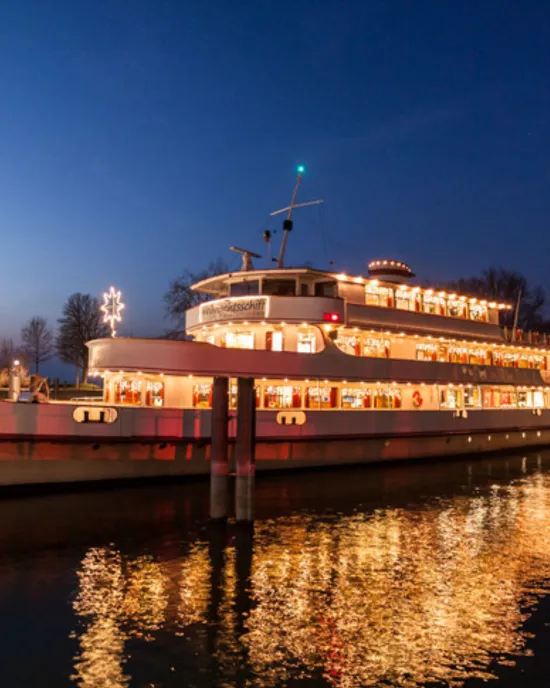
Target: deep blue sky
142	138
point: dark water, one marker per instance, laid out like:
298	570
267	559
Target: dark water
410	575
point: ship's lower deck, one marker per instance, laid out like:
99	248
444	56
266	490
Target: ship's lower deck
44	444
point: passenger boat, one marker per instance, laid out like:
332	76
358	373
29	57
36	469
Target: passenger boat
347	369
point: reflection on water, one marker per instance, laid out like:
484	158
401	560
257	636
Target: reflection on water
433	590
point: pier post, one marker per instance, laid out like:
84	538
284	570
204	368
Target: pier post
244	449
219	458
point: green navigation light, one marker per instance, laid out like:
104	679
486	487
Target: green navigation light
300	169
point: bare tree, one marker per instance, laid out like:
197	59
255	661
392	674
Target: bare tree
180	297
500	284
81	322
38	342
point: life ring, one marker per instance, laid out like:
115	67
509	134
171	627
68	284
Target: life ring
417	399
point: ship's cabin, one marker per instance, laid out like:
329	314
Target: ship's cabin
381	315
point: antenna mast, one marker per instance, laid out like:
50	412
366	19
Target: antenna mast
287	224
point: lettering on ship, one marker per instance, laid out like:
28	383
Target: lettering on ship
234	309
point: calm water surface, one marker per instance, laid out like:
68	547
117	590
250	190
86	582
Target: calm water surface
412	575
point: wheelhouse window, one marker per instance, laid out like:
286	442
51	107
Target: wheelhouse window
239	340
376	347
248	288
325	289
279	287
154	393
321	397
282	397
306	342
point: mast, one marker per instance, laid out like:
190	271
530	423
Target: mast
287	224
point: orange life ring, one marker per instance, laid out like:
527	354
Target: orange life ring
417	399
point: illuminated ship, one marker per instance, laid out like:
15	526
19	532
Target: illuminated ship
347	369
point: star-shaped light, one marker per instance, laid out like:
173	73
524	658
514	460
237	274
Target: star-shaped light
112	308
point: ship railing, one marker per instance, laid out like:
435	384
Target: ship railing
522	337
86	400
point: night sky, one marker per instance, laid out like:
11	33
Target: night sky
142	138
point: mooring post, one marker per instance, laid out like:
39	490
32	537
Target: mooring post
244	449
218	458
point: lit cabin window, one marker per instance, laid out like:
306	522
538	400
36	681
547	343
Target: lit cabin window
234	394
210	339
525	398
379	296
376	347
202	396
274	340
280	287
248	288
154	393
282	397
458	354
472	397
321	397
434	304
478	312
404	300
349	344
450	398
127	391
306	342
387	398
431	352
495	397
239	340
457	308
356	398
538	398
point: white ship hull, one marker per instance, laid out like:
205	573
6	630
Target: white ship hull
43	444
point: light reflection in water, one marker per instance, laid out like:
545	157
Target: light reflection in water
398	596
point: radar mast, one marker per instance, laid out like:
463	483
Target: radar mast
287	224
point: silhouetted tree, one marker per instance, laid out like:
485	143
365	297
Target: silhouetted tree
180	297
500	284
37	339
81	322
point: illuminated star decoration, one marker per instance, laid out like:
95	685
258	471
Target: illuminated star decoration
112	308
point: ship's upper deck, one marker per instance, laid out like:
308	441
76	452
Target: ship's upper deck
385	301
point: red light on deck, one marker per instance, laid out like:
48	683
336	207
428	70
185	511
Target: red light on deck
331	317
